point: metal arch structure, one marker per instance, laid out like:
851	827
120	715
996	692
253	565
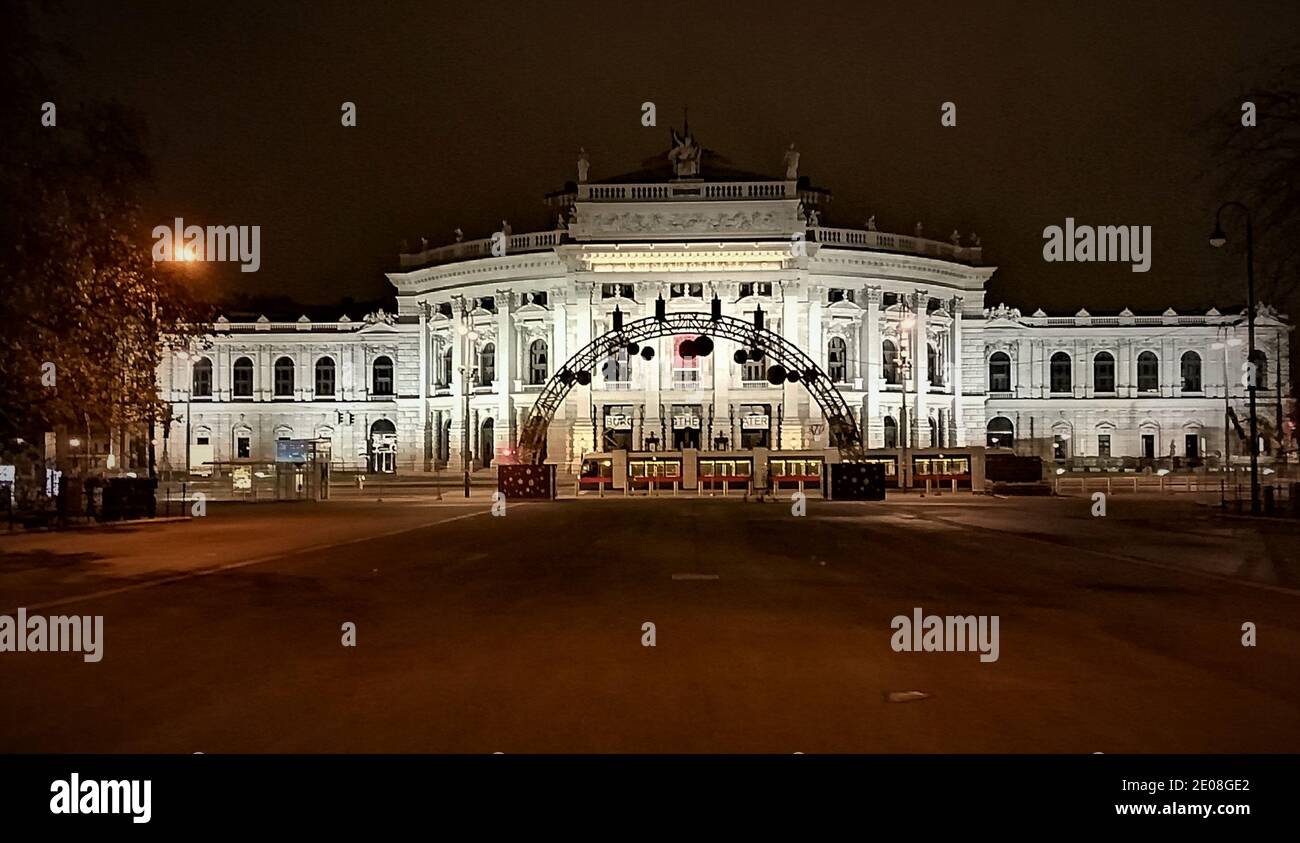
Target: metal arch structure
841	426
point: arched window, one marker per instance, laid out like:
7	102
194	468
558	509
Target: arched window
1001	432
241	378
1260	359
1061	379
325	377
201	380
891	433
934	431
933	366
999	372
538	370
1191	371
1148	372
487	364
889	361
284	378
382	371
837	360
1103	372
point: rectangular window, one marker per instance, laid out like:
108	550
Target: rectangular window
203	381
695	290
242	381
609	291
1103	444
1149	446
324	381
243	448
1060	447
1192	445
686	370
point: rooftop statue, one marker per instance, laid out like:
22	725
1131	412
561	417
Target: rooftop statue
871	223
460	236
584	163
791	163
685	154
955	238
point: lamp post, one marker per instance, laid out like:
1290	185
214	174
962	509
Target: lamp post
1217	239
468	376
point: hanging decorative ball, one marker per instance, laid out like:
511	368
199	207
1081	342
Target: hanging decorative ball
633	348
741	356
686	349
703	345
793	376
756	354
775	374
584	377
647	353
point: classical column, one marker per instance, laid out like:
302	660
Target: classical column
503	430
791	312
817	340
958	435
920	368
425	420
584	433
873	431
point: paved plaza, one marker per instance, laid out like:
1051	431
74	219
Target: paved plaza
524	633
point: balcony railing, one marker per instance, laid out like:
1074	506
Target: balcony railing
851	238
538	241
686	191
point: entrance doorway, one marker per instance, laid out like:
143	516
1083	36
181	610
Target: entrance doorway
383	447
486	443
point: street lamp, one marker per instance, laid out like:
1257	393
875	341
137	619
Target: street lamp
1217	240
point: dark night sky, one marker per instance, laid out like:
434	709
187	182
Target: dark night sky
469	113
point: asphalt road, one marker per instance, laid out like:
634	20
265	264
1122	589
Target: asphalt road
480	634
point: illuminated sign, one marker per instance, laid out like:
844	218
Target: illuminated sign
755	421
618	421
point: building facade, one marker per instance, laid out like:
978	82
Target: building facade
898	322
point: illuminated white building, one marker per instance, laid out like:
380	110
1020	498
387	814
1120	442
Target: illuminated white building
892	319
